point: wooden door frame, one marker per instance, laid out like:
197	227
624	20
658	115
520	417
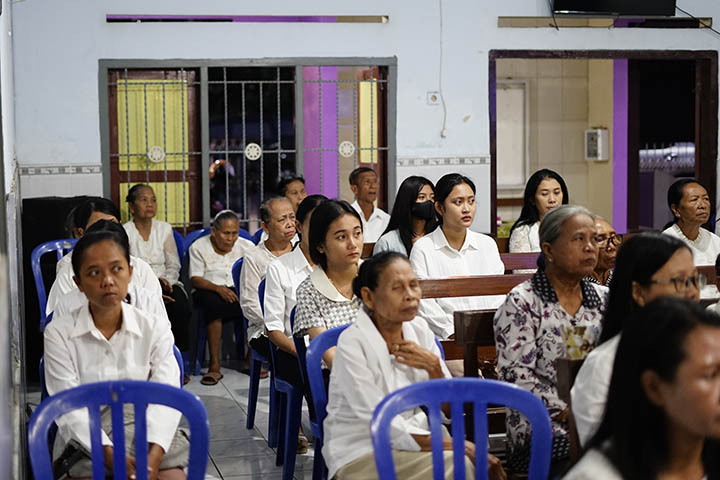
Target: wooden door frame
706	113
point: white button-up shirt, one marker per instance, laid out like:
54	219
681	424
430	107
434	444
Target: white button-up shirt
705	249
283	277
589	392
254	268
140	298
77	353
363	374
205	262
433	257
375	226
142	276
160	250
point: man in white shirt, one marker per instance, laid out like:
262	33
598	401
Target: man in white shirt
278	220
364	184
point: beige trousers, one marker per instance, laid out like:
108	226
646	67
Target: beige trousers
408	466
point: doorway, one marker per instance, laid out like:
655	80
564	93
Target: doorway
631	90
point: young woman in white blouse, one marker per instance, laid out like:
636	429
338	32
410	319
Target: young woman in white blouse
690	205
662	419
108	339
413	216
452	250
325	299
387	348
211	261
649	266
544	191
153	241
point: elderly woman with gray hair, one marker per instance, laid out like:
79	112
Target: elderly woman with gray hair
528	326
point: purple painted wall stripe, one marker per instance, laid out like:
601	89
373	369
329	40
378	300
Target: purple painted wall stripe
620	144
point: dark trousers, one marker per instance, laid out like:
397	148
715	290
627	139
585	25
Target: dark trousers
179	314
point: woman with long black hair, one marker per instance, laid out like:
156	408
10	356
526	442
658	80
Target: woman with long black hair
413	216
544	191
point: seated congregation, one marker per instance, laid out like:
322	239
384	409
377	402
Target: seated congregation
625	309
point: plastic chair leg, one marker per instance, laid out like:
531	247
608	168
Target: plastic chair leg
255	366
280	451
274	415
319	469
292	425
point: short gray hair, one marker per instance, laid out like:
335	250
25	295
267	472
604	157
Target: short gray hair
265	207
552	223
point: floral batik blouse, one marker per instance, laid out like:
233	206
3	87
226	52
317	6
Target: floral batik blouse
528	338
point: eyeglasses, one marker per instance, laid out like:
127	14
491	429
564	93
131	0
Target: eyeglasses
614	240
682	284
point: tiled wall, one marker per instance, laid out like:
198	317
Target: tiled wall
558	99
49	181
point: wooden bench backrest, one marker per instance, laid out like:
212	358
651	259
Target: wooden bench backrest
470	286
519	261
367	250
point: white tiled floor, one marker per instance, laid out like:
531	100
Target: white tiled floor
236	452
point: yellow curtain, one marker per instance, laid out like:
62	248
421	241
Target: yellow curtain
141	104
368	130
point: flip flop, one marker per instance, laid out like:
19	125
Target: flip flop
211	378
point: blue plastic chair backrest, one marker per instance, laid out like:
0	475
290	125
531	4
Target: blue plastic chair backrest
458	392
192	236
442	350
236	270
180	244
261	295
115	394
257	236
61	247
318	346
245	234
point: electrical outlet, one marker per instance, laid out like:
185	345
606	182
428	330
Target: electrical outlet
433	98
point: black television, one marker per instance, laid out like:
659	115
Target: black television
645	8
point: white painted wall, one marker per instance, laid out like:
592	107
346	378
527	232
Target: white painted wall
57	46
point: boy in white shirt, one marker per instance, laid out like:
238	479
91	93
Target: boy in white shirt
364	184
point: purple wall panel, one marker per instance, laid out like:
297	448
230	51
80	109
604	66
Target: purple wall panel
320	131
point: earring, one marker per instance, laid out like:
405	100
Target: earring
550	260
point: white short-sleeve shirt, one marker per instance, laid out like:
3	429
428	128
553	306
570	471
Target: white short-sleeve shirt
205	262
525	238
373	227
390	242
589	392
433	257
142	276
284	275
159	251
253	272
77	353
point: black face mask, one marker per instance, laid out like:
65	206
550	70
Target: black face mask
423	210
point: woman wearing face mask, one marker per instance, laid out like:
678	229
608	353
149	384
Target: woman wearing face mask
649	266
690	205
451	250
544	191
413	216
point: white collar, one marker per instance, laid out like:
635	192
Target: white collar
440	241
84	321
322	284
377	343
375	213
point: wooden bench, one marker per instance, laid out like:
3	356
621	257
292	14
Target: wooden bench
519	261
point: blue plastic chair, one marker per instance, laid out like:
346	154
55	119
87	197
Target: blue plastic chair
180	244
256	363
61	247
458	392
442	350
195	234
257	236
289	408
313	363
116	394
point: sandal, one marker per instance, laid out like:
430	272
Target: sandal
211	378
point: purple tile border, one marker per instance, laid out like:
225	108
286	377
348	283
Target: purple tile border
620	144
225	18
